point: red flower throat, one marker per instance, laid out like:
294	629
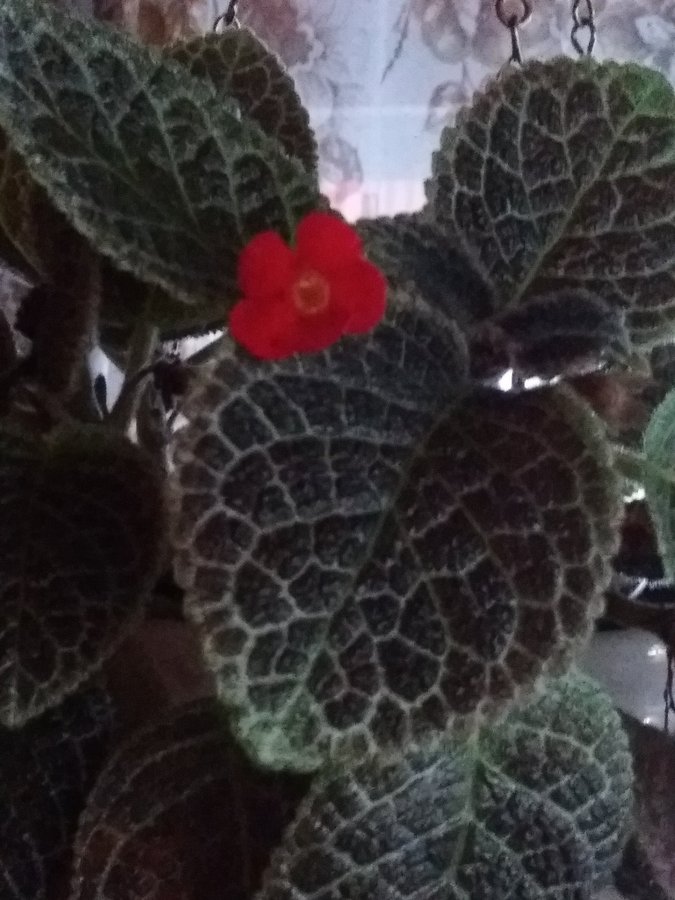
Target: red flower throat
302	300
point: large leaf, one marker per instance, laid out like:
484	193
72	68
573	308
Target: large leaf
535	809
370	557
239	65
153	166
81	536
659	478
179	813
46	771
562	175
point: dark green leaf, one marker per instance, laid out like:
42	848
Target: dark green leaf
371	558
239	65
535	809
179	813
81	537
659	477
562	175
153	166
417	254
46	771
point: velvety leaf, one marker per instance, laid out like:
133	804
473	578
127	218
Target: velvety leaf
659	477
415	253
179	813
566	333
371	558
7	346
654	761
81	537
46	771
634	879
239	65
35	238
534	809
153	166
562	175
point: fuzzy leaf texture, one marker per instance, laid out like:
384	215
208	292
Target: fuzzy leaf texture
46	772
562	176
82	529
659	478
371	558
154	167
178	813
535	809
240	66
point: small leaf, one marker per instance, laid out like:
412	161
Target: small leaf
372	558
562	175
154	167
654	760
634	879
535	809
35	238
659	478
566	333
81	537
46	771
239	65
177	813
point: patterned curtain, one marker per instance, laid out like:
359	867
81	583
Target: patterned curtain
382	77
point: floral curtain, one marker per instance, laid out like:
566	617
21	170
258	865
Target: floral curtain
382	77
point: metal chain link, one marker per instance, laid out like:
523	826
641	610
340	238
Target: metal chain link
583	14
228	19
514	22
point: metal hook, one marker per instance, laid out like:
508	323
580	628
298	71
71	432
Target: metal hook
581	21
514	23
228	18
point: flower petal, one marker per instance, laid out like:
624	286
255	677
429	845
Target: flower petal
326	243
361	289
265	329
315	333
265	266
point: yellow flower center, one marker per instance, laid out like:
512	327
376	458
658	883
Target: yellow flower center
311	293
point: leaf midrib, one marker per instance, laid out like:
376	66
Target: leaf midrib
535	269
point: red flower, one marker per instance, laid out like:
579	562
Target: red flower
304	299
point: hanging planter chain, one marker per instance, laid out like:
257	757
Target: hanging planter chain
514	22
583	13
228	19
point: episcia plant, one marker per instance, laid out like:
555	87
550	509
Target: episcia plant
387	500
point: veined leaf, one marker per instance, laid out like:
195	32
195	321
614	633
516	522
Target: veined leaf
177	813
416	254
371	558
659	478
534	809
46	771
153	166
81	536
240	66
562	175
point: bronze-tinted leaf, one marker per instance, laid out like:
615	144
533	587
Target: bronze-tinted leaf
372	557
535	809
81	537
179	814
239	65
46	771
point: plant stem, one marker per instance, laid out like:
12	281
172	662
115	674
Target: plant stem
141	352
630	463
